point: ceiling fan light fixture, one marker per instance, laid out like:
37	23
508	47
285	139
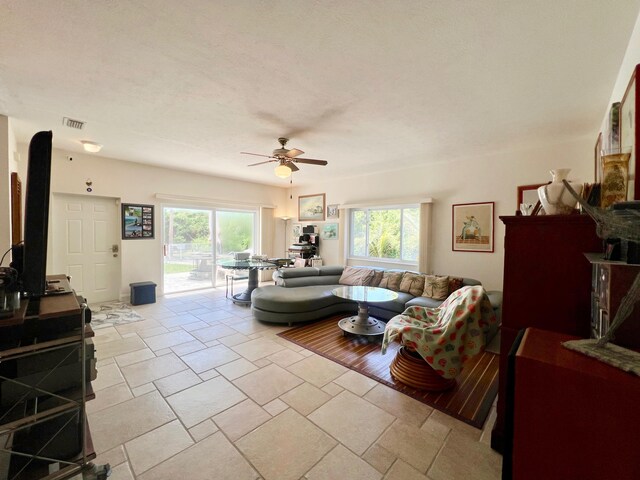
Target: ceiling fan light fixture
282	171
91	147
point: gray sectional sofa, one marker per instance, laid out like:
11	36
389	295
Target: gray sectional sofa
304	294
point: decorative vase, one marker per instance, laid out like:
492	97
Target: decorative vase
615	177
555	197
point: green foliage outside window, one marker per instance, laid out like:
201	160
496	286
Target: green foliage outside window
386	233
187	226
235	232
192	229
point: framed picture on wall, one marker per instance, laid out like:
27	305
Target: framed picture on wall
597	153
311	207
329	231
137	221
472	227
614	128
332	211
630	133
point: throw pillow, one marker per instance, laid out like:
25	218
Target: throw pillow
356	276
436	287
391	280
412	283
455	283
377	276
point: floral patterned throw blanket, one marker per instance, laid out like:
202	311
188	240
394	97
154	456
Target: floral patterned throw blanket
447	335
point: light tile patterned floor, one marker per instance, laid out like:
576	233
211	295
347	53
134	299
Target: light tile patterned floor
201	390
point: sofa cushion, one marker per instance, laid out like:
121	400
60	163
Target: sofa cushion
356	276
424	302
277	299
412	283
307	281
377	277
330	270
436	287
455	283
391	280
397	305
299	272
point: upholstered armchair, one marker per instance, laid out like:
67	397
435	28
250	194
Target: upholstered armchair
437	341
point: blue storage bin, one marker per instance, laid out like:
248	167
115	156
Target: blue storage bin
142	293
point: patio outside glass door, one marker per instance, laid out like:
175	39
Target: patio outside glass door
191	255
188	251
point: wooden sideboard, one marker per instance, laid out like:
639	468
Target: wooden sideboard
574	416
547	283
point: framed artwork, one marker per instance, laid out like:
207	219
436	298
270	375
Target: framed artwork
137	221
528	194
329	231
311	207
296	231
472	227
597	154
332	211
630	133
614	128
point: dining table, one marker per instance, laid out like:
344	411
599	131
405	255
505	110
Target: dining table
253	267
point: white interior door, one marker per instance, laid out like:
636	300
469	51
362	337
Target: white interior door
85	244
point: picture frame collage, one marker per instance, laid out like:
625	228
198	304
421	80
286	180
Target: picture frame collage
313	208
137	221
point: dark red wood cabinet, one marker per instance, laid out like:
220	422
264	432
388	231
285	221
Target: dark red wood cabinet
574	416
547	283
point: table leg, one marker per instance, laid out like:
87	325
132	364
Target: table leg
244	298
362	324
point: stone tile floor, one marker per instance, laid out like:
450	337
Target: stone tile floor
201	390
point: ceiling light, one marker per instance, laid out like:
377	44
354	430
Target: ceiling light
282	171
91	147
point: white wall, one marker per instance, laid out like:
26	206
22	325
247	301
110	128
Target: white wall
137	183
484	179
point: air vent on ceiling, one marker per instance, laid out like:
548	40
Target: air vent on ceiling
71	123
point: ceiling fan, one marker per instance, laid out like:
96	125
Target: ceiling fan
286	158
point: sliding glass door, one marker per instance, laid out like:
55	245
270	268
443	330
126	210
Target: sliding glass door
235	232
190	252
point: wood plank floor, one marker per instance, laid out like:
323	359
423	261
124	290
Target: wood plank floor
470	400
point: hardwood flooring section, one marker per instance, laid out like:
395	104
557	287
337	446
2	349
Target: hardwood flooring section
470	400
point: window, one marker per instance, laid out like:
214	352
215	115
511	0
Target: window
385	233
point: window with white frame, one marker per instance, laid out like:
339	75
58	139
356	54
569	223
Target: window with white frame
385	233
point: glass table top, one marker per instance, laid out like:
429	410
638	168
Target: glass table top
246	264
365	294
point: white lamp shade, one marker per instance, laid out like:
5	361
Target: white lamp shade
282	171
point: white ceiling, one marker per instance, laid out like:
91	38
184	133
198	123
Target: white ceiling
368	86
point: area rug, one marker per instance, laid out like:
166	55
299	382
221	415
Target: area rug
113	313
470	400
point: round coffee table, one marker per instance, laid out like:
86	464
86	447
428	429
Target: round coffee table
363	324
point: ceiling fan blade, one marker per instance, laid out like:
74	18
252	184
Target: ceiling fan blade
294	152
311	161
256	154
260	163
292	166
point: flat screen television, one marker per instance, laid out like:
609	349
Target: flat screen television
36	216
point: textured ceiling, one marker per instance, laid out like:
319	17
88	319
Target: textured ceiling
368	86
